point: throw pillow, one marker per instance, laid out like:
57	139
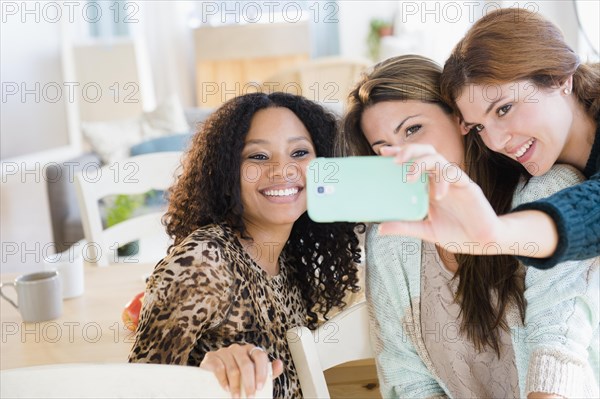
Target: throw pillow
111	140
167	118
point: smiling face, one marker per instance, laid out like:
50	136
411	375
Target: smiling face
276	152
402	122
520	120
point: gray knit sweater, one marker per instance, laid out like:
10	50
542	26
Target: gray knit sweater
556	350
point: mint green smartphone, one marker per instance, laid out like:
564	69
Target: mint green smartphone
363	189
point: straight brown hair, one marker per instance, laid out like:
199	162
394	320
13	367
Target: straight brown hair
509	45
488	285
512	44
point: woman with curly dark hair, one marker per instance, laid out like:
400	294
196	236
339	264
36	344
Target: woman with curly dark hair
247	263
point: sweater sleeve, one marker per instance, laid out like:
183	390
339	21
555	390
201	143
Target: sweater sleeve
562	317
561	329
187	294
401	372
576	214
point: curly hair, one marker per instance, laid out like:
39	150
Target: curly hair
323	257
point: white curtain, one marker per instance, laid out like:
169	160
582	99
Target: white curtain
165	33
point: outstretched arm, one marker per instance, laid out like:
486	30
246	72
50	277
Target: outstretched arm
575	214
462	220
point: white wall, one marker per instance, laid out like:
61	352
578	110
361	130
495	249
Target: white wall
560	12
428	28
164	27
354	17
34	124
588	15
30	55
432	28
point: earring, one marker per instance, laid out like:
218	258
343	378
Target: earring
567	91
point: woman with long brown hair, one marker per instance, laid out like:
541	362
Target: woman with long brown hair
461	325
523	93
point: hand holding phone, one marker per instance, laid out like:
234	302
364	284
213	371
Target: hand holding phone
364	189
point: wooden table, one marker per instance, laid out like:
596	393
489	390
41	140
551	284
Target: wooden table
91	331
90	328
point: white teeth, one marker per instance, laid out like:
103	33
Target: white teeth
281	193
524	149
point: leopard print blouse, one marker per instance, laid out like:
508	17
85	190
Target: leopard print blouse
208	294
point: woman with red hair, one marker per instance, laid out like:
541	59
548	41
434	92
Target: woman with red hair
523	93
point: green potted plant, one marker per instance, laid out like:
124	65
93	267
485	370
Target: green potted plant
378	29
122	209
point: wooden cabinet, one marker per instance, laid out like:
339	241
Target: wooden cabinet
236	59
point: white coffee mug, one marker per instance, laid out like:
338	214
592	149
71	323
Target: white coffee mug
39	296
69	266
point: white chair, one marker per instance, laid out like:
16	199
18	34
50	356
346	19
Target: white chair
134	175
343	338
114	380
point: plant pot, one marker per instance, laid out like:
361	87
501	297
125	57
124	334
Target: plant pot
386	31
129	249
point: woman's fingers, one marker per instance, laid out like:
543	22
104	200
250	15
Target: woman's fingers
423	159
214	364
408	152
277	368
247	369
241	365
390	151
434	166
261	369
233	372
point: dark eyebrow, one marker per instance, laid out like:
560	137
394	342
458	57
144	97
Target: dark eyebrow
256	142
492	104
290	140
487	111
397	129
297	138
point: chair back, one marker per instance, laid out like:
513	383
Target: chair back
135	175
343	338
114	380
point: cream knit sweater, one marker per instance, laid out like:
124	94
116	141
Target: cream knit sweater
556	350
